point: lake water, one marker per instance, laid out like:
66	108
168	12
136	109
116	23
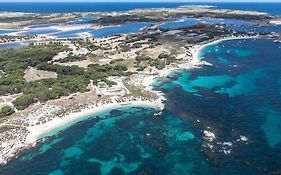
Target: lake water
38	31
71	33
122	29
104	31
13	45
6	31
42	26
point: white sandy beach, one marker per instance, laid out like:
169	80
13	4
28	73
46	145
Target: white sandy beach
58	124
220	40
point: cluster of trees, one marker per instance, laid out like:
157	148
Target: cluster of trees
86	44
132	41
163	60
141	58
6	110
24	101
70	79
152	37
13	62
142	61
125	47
11	37
159	64
71	58
108	69
61	70
116	61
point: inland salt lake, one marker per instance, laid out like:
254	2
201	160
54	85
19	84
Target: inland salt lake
237	99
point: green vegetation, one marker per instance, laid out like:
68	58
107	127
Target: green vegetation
162	61
36	19
71	79
142	61
116	61
6	110
71	58
14	62
159	64
141	58
121	19
13	38
23	101
86	44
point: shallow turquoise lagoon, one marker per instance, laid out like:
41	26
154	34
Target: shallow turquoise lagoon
71	33
43	26
38	31
6	31
82	20
120	29
104	31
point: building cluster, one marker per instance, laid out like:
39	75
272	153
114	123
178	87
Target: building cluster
62	42
57	42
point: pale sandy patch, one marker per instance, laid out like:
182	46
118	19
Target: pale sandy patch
32	74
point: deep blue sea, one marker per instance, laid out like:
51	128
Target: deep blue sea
65	7
237	99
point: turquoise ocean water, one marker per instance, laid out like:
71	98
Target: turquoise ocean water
237	99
